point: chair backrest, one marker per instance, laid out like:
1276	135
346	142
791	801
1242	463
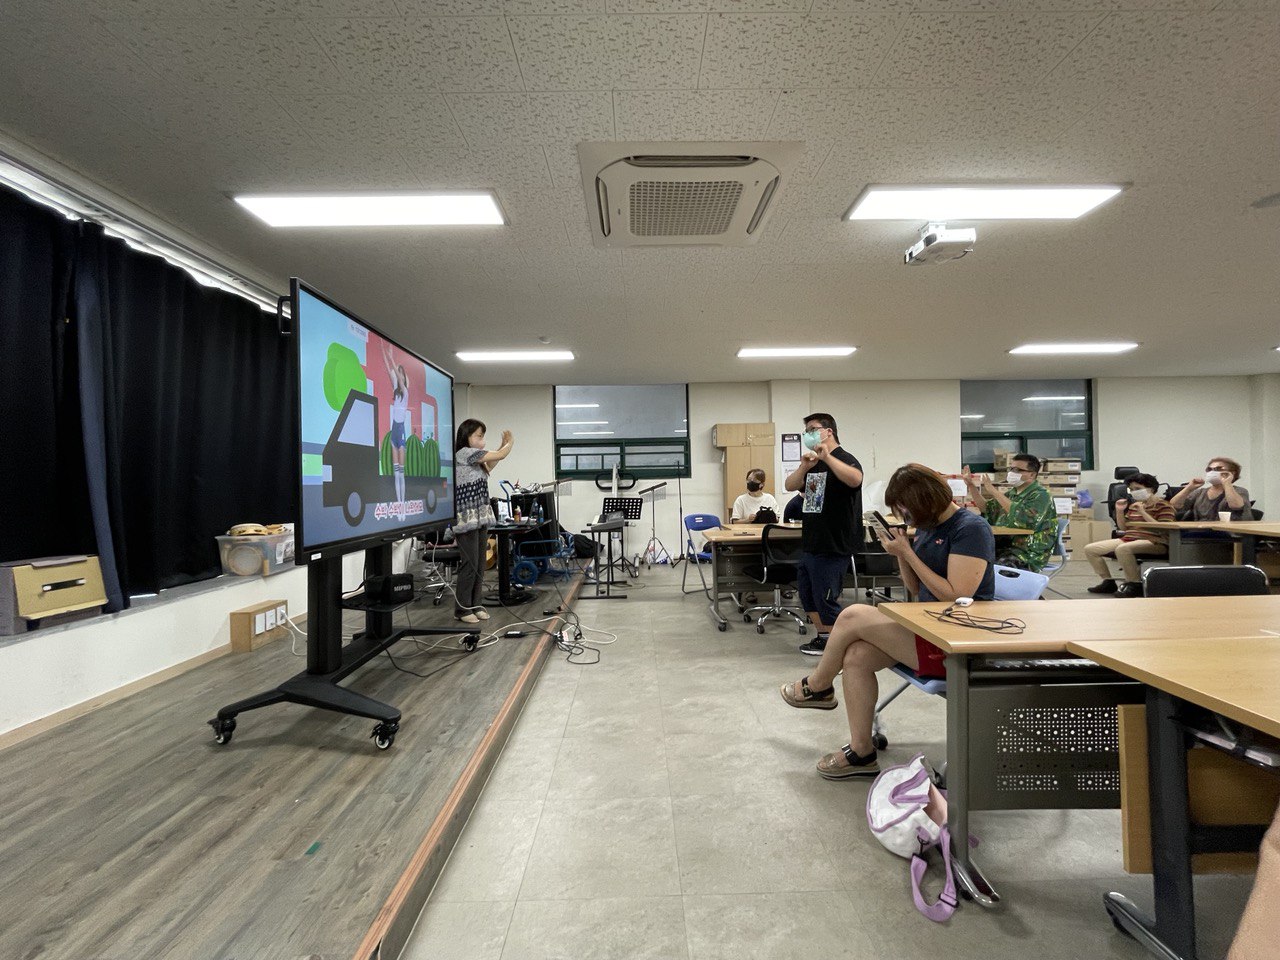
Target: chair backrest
701	521
1059	548
1225	580
1015	584
779	549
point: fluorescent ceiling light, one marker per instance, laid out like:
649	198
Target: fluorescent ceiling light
1029	399
972	416
994	202
581	423
593	433
576	406
759	352
1070	348
512	356
462	208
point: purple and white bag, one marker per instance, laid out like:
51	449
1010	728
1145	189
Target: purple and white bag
908	814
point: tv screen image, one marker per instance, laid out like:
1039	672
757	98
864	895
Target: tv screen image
376	431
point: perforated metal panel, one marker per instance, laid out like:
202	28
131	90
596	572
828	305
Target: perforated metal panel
1049	747
683	208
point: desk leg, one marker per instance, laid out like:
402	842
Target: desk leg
714	606
972	882
1175	548
1249	550
1172	935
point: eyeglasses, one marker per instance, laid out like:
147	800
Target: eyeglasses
1220	467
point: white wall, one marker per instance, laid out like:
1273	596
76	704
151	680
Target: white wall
887	423
1171	426
1263	476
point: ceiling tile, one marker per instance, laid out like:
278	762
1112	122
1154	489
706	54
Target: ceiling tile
979	50
534	118
872	115
541	8
694	114
709	6
391	121
448	8
1234	52
104	64
422	53
600	53
793	51
241	57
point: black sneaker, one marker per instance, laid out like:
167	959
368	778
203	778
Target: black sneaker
814	647
1130	590
1106	586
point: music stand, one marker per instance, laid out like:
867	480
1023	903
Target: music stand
629	507
655	550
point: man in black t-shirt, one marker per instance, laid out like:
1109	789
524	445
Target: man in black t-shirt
831	480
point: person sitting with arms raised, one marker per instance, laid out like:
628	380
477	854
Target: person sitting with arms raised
1028	505
1205	498
950	557
748	505
1144	505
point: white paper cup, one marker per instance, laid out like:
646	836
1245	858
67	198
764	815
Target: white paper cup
1224	516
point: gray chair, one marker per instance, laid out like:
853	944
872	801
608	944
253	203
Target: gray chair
1204	581
1059	556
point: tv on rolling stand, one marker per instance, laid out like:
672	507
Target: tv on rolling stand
374	465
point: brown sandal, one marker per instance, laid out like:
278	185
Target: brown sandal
815	699
831	768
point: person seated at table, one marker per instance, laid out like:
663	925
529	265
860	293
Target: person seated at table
748	505
1259	929
1204	498
1143	505
793	512
950	556
1028	505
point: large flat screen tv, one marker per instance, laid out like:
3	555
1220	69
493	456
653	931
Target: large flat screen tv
375	433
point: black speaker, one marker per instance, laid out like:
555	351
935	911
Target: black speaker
393	588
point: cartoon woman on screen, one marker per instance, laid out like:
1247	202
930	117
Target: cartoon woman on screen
399	416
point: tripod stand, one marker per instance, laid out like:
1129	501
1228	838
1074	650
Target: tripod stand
655	550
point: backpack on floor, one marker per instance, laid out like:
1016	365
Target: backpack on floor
908	814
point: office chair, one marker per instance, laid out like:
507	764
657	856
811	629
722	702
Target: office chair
874	564
1011	584
779	556
1204	581
1119	490
1052	569
694	522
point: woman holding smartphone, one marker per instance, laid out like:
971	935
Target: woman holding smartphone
950	556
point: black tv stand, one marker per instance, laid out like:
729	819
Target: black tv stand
329	662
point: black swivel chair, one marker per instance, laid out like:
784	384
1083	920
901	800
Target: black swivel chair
1206	581
1119	490
780	556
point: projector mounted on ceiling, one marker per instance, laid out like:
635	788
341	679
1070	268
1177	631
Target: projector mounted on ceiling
683	194
938	243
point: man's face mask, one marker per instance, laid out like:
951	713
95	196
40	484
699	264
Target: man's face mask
811	438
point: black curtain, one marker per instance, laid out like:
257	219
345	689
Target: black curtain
43	496
197	411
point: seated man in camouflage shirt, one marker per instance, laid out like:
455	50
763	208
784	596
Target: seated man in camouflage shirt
1028	505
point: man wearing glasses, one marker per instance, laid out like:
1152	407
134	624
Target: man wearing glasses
1216	493
1027	505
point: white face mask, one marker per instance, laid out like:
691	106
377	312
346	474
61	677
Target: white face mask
1013	477
1213	476
1142	493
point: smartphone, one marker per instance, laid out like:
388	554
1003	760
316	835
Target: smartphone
879	524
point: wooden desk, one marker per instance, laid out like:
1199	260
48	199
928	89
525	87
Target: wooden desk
732	549
1011	531
1236	678
1051	626
1177	547
1249	532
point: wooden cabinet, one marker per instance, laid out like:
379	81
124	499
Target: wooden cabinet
745	445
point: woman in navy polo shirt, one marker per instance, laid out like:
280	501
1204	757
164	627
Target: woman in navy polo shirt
951	556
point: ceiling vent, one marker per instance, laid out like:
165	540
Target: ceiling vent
683	194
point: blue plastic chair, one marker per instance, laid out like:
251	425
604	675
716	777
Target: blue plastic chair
693	522
1059	556
1011	584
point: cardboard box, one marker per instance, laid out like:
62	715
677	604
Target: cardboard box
36	591
1059	478
1222	791
261	623
256	556
1085	530
1060	465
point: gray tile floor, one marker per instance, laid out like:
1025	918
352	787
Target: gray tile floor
663	804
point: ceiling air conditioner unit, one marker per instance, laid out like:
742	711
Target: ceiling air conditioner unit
683	194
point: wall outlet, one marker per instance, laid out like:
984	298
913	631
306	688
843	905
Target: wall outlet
271	618
259	623
282	614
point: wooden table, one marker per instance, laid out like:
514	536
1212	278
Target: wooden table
733	548
1051	626
1233	677
1250	532
1177	547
